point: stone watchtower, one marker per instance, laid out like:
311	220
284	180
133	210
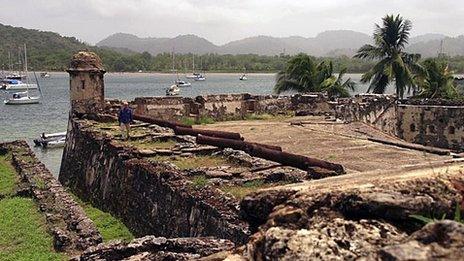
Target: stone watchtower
86	85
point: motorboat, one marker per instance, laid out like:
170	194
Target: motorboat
243	78
200	78
192	76
51	140
16	85
45	75
20	98
58	143
173	90
15	77
181	83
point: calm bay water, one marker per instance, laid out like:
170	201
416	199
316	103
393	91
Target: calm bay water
29	121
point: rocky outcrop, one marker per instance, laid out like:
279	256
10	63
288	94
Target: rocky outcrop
153	248
441	240
71	229
369	220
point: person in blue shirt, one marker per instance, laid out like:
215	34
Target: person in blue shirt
125	119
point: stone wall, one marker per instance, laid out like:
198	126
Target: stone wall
436	123
432	125
151	199
218	107
71	229
376	110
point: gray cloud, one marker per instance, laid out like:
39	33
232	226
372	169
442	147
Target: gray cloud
226	20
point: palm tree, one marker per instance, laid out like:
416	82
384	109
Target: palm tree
393	63
437	81
300	74
336	87
303	75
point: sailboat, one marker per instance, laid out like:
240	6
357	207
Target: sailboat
243	77
15	81
199	76
194	74
179	82
20	98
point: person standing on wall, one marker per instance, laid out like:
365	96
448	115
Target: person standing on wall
125	119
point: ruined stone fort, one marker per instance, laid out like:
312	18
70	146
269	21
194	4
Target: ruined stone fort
296	177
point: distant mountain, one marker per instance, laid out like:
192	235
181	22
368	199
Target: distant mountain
320	45
181	44
452	46
328	43
426	38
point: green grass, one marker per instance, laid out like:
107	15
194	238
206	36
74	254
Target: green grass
239	192
109	227
199	161
8	177
144	144
199	181
23	234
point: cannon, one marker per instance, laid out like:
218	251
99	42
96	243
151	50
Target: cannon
266	152
179	130
162	123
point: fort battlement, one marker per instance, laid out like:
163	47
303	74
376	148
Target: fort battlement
295	177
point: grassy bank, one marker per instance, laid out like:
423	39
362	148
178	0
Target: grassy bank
109	227
8	177
23	232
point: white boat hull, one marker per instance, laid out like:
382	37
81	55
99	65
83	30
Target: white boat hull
23	100
21	86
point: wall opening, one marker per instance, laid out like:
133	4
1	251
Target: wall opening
431	128
451	130
412	127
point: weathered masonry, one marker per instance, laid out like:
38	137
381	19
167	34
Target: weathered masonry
163	183
433	123
71	229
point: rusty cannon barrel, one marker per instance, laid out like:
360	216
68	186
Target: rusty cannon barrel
294	160
162	123
260	151
222	143
211	133
233	144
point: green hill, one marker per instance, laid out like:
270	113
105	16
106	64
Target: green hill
46	50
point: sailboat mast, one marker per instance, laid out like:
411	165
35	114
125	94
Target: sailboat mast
193	59
25	69
25	58
9	61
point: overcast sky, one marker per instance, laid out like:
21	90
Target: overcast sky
226	20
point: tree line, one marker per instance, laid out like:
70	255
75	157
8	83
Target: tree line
429	78
116	61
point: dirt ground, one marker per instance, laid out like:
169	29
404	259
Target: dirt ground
345	144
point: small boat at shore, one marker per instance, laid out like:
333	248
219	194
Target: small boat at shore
51	140
45	75
243	78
